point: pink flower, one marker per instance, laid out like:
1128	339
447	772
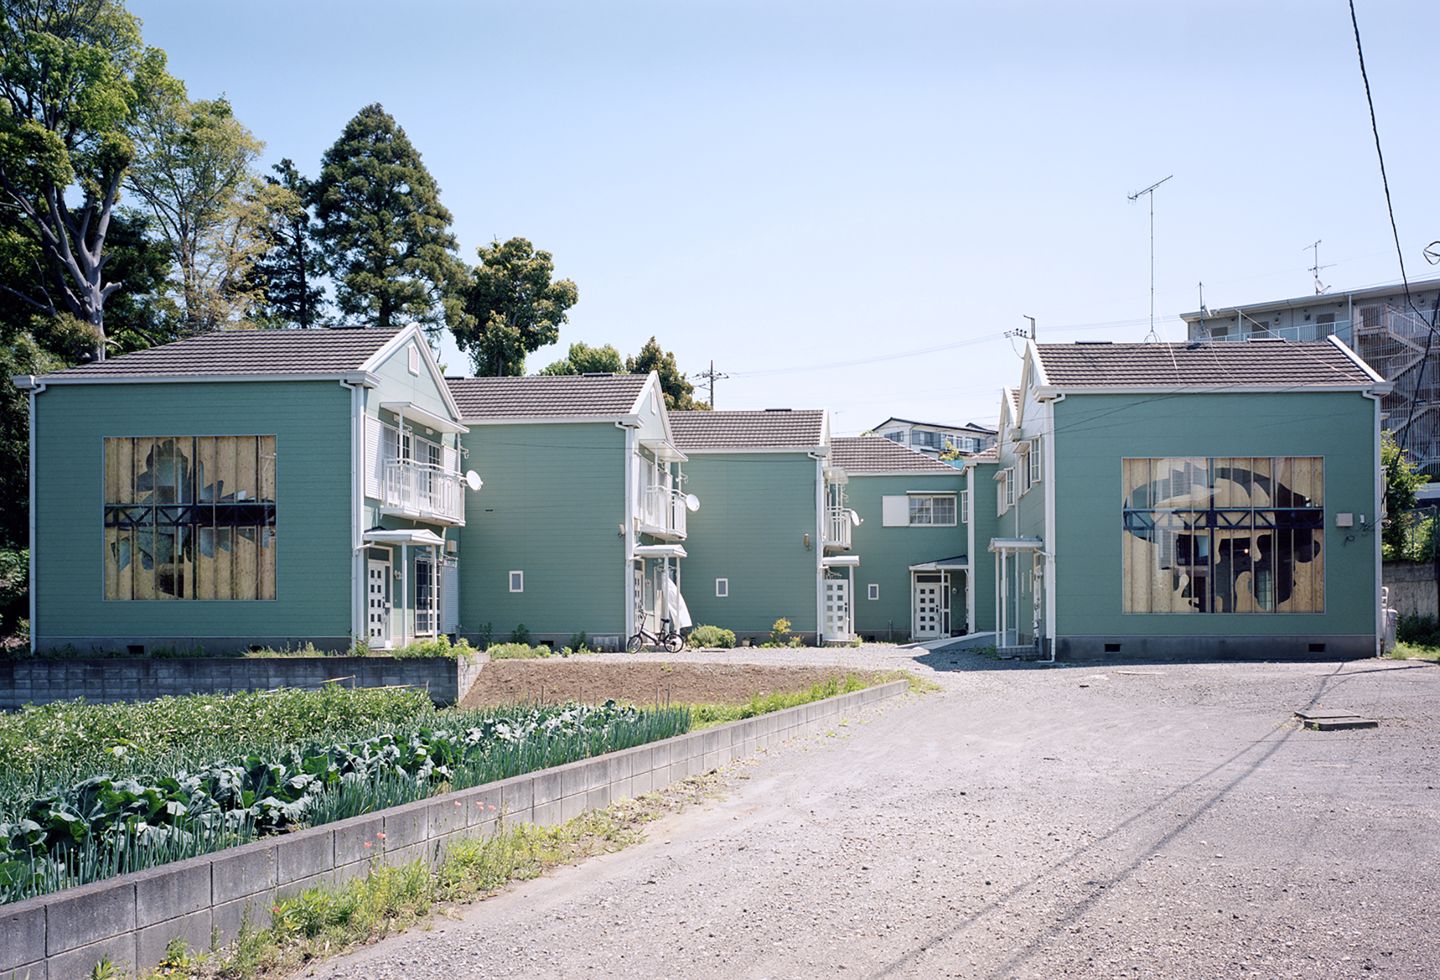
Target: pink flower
367	844
457	804
492	807
380	835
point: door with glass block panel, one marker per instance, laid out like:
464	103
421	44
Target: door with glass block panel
837	625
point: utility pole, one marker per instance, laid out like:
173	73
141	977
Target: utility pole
710	377
1150	192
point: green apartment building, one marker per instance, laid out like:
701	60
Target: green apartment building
582	524
762	547
1206	501
910	536
245	488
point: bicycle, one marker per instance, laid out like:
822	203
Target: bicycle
669	637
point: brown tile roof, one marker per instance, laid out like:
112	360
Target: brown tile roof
991	455
876	454
547	396
237	352
786	428
1274	363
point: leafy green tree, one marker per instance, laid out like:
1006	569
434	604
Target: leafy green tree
513	307
1402	480
679	393
584	359
286	276
193	170
385	235
74	77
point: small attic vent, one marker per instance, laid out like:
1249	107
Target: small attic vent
1093	343
1266	340
778	410
598	374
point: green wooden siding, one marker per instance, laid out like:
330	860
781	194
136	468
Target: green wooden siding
552	506
755	512
982	560
886	553
1097	431
311	425
397	384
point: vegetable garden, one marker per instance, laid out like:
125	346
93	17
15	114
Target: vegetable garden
89	791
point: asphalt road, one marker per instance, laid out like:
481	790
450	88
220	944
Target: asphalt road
1079	821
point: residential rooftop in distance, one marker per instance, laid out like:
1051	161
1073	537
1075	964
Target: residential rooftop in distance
548	396
876	454
1261	364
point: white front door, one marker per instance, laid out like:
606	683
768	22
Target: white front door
379	604
837	609
928	602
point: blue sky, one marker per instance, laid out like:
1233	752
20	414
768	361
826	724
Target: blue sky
844	204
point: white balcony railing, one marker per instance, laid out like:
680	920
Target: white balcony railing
838	525
663	512
424	491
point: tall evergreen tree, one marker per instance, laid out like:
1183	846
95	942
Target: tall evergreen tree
287	275
386	236
513	307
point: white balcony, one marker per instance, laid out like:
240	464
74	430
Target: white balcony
839	523
662	513
423	492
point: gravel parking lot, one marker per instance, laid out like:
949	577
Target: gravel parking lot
1026	821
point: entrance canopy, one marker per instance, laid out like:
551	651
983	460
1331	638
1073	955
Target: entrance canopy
415	413
957	563
1015	544
659	551
420	537
840	561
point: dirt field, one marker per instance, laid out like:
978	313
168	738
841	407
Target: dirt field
509	681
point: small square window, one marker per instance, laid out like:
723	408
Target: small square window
414	359
722	588
517	581
872	591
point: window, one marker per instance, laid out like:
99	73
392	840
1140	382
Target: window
722	588
921	437
1223	535
932	510
190	517
1002	492
517	581
896	437
1035	461
414	364
1023	468
964	506
872	591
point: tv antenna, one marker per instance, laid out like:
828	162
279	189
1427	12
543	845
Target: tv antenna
1314	249
1150	192
709	378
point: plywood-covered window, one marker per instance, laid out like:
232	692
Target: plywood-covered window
190	517
1239	534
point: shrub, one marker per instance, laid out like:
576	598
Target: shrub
521	634
438	647
485	635
1420	630
579	643
780	635
519	651
711	636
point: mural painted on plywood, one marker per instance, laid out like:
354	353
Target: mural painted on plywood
1224	534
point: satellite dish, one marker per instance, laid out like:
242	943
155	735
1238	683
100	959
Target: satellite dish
692	502
855	519
473	481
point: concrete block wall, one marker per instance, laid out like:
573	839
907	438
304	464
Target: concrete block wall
132	918
40	681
